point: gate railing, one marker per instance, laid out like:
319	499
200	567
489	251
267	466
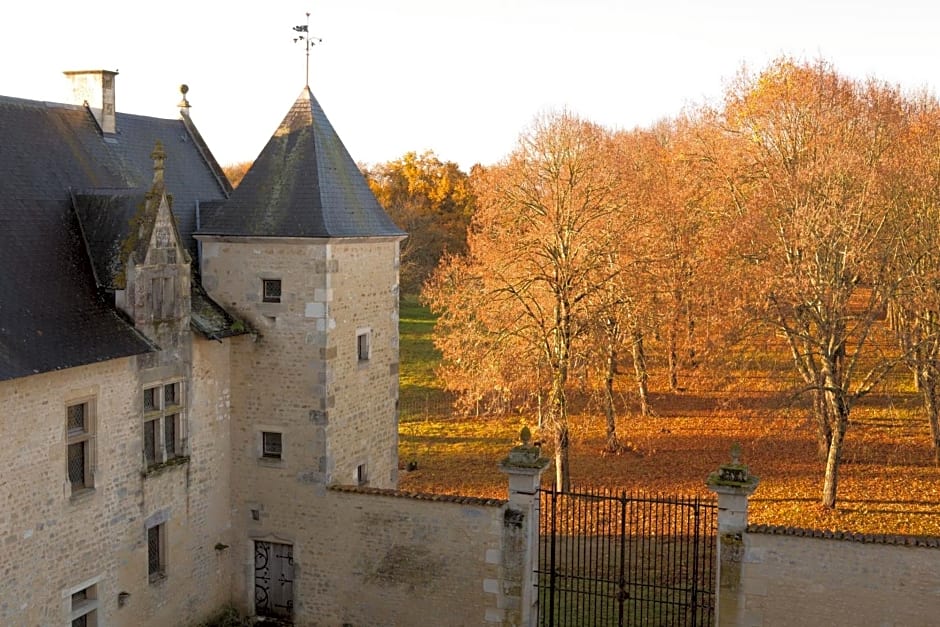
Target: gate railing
615	559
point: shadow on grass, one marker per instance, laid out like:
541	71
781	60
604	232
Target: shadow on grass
445	440
670	404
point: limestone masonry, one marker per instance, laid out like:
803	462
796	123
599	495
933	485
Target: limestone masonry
184	368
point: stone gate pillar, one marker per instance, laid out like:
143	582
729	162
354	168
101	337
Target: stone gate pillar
519	554
733	484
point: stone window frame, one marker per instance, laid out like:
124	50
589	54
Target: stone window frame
275	293
264	458
83	437
362	475
272	444
82	602
157	410
363	345
156	543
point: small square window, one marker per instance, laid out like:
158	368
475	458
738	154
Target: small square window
271	444
271	290
150	399
76	415
156	552
363	345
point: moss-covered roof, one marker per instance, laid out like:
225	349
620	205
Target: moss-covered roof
210	320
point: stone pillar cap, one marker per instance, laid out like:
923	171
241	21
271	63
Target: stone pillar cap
734	474
525	455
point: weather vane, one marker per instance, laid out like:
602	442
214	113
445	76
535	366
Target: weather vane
304	36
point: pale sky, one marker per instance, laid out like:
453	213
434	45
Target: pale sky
461	78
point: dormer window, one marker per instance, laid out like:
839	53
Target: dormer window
271	290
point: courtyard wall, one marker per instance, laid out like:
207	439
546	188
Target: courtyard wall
800	577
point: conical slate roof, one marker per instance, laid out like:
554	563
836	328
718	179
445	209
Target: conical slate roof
303	184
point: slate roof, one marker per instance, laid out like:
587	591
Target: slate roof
48	148
303	184
52	313
105	217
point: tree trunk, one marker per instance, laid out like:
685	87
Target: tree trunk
558	402
929	389
823	420
690	338
642	375
839	413
562	471
673	361
613	443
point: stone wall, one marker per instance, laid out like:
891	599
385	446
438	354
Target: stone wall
56	542
769	576
789	579
301	378
392	559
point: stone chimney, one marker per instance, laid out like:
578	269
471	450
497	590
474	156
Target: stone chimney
95	90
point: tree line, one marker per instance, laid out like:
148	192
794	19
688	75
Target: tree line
803	207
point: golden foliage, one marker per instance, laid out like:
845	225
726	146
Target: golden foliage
235	172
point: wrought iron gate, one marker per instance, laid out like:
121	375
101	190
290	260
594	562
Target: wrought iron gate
274	580
608	559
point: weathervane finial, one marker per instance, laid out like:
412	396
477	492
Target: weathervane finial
304	36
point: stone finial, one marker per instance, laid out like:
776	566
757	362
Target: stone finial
184	103
733	474
525	455
159	163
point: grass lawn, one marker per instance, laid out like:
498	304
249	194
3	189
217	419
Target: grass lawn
887	483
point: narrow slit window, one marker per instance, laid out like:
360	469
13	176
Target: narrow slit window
156	552
363	345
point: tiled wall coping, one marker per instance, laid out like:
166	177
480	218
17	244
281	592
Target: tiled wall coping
867	538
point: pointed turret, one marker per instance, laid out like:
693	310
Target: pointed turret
303	253
303	184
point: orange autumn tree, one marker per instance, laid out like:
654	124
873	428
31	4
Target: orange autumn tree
815	240
235	172
915	308
536	253
682	255
430	200
622	311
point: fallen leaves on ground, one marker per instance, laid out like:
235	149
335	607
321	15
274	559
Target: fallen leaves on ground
888	482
